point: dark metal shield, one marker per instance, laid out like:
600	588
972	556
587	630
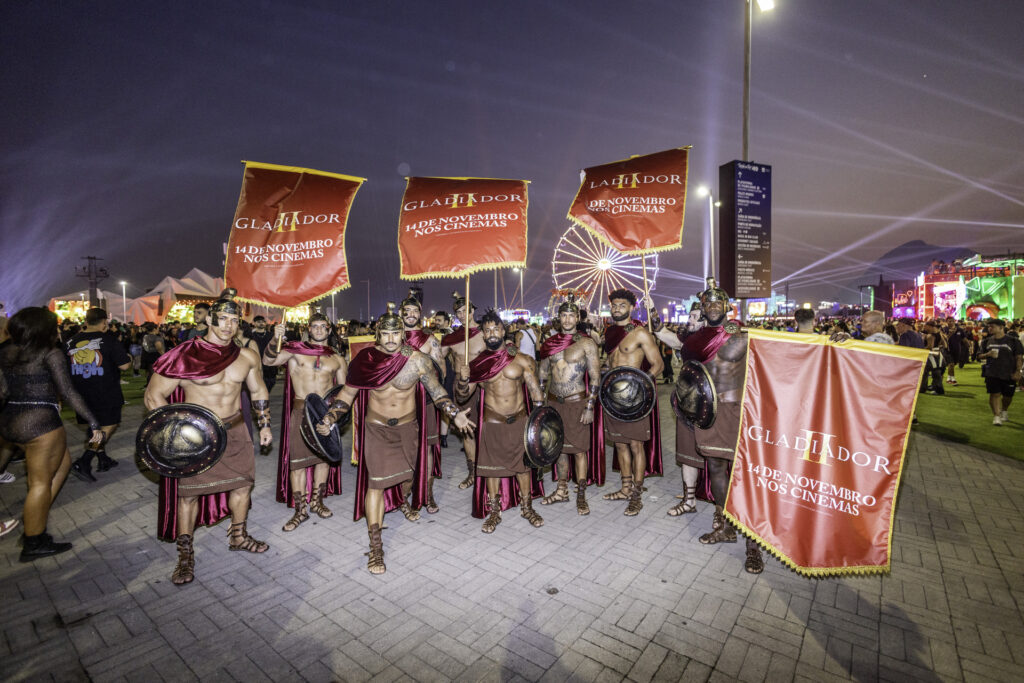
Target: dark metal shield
181	440
694	398
329	447
627	394
543	437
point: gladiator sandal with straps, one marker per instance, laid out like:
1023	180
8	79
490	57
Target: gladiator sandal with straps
624	492
582	508
410	514
687	504
185	571
636	502
431	504
317	504
494	518
375	558
754	563
470	475
561	494
721	530
239	539
528	513
300	515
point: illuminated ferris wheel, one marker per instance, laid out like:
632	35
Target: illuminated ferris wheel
582	262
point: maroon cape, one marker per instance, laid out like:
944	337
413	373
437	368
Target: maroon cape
284	489
459	336
613	336
194	359
595	455
372	369
484	367
416	339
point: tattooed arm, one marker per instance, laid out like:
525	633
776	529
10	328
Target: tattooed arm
530	378
435	390
593	358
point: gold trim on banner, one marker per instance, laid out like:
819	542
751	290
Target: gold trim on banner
893	350
446	274
637	252
300	169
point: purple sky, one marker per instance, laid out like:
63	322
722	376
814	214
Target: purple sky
124	124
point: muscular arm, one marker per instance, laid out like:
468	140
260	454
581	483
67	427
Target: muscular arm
254	378
651	353
157	391
593	357
530	377
669	338
273	358
342	373
543	373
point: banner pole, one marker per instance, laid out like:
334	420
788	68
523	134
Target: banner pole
465	327
647	295
284	320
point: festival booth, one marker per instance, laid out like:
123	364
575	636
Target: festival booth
74	305
982	287
174	298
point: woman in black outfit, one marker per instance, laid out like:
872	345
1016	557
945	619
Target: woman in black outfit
33	372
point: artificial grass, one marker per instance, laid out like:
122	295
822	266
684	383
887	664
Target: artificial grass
963	415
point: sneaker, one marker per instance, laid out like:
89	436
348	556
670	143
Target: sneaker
82	471
997	421
1004	417
6	478
953	381
124	381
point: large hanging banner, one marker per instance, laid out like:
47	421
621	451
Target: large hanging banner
451	227
287	242
822	439
635	205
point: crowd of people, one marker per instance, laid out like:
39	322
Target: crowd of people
419	379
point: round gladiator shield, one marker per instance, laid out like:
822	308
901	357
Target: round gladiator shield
694	398
627	394
181	440
328	447
543	437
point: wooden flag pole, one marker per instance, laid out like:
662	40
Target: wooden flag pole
284	321
465	325
647	296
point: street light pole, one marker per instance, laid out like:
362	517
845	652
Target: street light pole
764	5
369	316
124	303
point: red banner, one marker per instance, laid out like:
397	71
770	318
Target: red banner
635	205
450	227
822	437
287	243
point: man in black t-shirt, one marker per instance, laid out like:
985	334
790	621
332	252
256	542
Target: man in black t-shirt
1003	355
262	336
97	359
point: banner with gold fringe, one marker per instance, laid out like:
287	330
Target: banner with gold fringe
635	205
287	242
823	434
452	227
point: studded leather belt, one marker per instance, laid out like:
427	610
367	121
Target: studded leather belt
232	421
497	418
571	398
374	418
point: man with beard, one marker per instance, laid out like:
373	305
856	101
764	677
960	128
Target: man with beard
262	336
454	345
570	368
383	380
411	311
210	371
313	368
637	444
199	315
501	370
722	348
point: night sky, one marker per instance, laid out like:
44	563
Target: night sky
124	124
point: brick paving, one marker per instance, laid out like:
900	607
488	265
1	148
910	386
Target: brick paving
598	598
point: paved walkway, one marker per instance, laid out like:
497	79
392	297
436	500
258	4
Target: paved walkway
604	597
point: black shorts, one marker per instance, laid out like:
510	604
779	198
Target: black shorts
1006	387
106	414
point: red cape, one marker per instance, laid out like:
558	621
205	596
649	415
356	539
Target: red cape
488	364
703	344
557	343
284	489
613	336
459	336
195	359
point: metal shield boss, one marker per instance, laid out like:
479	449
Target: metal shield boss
627	394
329	447
694	398
181	440
543	437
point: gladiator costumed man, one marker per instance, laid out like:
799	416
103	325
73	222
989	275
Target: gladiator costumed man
411	311
501	372
637	444
384	381
313	368
570	369
211	371
455	345
722	348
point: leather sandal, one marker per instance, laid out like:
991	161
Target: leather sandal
561	494
688	503
721	530
431	504
636	503
317	504
239	539
299	517
624	492
185	571
494	518
582	508
528	513
410	514
375	562
470	475
754	563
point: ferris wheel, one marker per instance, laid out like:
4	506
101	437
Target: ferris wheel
581	262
